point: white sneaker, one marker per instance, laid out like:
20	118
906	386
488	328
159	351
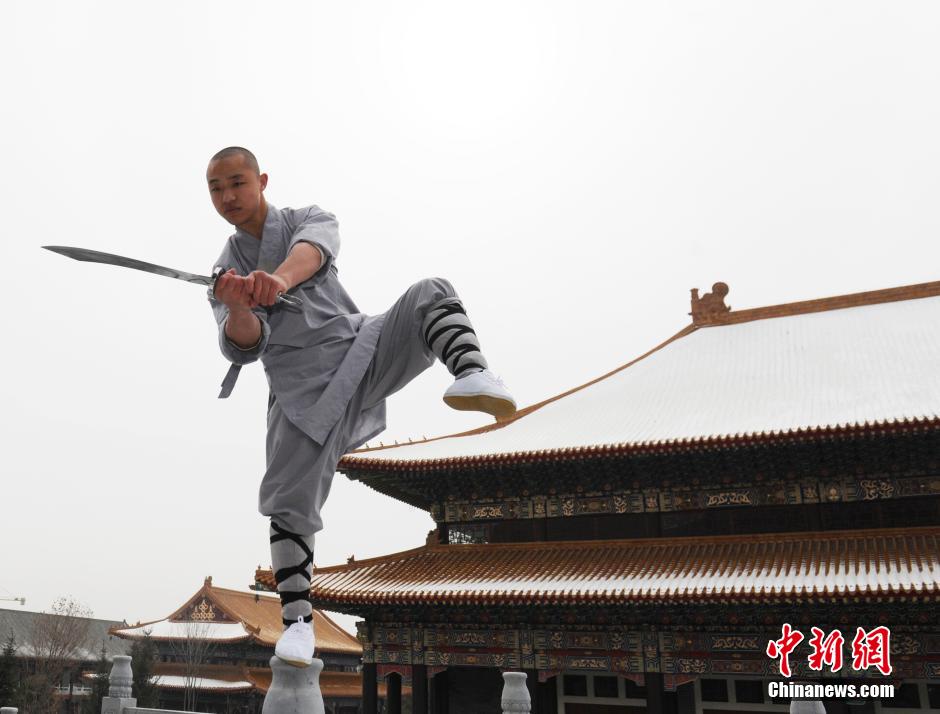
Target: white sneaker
296	644
481	392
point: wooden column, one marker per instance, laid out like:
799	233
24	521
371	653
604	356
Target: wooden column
655	703
419	689
440	693
548	696
370	689
532	684
685	695
393	694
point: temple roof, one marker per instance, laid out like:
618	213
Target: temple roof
819	367
171	681
230	615
333	685
239	678
868	564
22	625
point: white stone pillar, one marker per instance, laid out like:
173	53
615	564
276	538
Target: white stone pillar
121	681
294	690
515	694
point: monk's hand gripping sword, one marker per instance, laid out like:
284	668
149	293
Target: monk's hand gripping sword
95	256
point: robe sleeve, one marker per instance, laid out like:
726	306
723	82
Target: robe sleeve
319	228
231	352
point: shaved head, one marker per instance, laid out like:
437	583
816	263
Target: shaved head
236	187
230	151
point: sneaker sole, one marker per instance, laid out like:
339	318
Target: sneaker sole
294	662
499	408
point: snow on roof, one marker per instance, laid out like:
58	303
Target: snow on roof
869	363
166	630
21	625
759	568
222	614
168	681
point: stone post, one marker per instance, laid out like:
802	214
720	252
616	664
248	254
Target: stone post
515	693
121	680
8	710
294	690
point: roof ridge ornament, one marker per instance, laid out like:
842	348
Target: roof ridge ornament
710	307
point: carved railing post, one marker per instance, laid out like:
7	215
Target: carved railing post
294	690
120	680
515	694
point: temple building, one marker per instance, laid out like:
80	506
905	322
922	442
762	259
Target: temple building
219	644
648	541
39	641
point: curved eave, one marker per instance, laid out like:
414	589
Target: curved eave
125	636
233	688
355	466
566	599
870	565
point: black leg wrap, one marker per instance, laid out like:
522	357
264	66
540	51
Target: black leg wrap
288	623
444	327
289	596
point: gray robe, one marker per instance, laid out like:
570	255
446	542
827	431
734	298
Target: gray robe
314	359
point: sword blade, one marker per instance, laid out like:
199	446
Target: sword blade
96	256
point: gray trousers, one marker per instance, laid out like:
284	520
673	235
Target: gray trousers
300	471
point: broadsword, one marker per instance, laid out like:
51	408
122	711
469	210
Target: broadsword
96	256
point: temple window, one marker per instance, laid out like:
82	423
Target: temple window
906	696
933	696
749	691
606	687
464	534
575	685
714	690
580	692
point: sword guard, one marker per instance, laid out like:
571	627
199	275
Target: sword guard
217	273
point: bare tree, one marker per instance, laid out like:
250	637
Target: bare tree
59	640
60	636
193	650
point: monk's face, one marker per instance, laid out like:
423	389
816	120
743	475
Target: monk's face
237	191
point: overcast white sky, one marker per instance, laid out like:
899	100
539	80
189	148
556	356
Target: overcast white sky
573	167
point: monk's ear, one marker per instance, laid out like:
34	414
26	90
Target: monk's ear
263	180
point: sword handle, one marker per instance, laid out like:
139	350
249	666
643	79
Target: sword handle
290	300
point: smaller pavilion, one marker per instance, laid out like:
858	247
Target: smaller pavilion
220	641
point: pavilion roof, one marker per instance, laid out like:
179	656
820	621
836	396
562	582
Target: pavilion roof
240	678
333	684
22	625
813	369
867	564
225	615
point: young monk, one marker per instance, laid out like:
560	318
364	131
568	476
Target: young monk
329	367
